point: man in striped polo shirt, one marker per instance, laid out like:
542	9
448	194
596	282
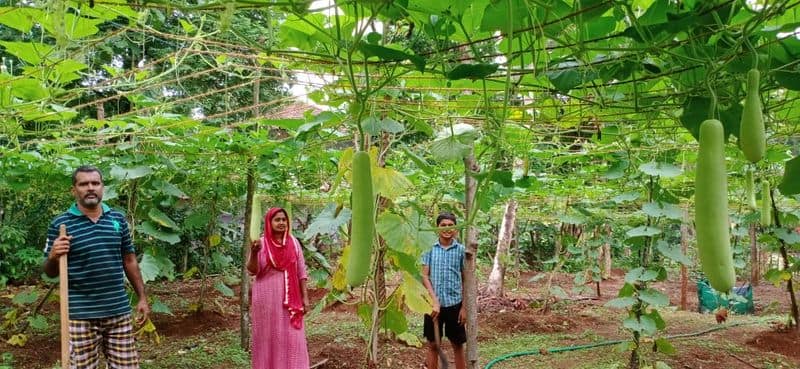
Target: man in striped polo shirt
100	256
442	275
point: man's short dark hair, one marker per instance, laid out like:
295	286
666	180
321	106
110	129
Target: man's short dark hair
445	215
85	169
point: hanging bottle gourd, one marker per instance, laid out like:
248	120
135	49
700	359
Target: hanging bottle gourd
752	139
255	218
766	204
711	208
362	231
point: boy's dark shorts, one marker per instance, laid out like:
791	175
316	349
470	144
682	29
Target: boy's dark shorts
448	317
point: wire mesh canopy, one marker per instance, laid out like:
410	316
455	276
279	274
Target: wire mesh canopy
549	68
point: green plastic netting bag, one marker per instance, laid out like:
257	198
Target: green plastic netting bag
740	301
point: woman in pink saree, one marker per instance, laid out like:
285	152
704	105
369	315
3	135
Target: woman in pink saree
279	296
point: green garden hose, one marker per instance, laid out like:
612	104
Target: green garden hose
609	343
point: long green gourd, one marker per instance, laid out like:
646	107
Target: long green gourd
711	208
362	230
750	189
255	218
766	204
752	139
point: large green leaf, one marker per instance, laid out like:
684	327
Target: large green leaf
162	219
673	252
66	71
416	296
404	262
74	27
662	209
454	142
657	318
471	71
599	27
389	182
654	297
790	236
375	126
25	297
160	307
38	322
391	55
418	160
393	229
777	276
695	111
572	219
569	74
168	189
328	222
20	18
621	302
449	148
122	174
625	197
591	9
152	230
410	339
641	274
790	79
665	347
645	325
30	52
108	10
394	319
29	89
643	231
790	184
223	289
658	169
496	16
150	269
656	13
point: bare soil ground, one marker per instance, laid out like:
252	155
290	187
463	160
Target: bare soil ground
336	335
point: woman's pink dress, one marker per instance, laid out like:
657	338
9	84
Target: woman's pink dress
276	344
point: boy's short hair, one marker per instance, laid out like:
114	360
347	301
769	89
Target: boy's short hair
445	215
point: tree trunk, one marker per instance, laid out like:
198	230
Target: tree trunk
244	292
496	277
684	272
605	256
755	264
133	203
471	243
379	276
517	251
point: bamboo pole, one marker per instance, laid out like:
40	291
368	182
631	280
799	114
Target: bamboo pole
63	294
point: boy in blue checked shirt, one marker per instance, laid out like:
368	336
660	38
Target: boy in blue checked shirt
443	275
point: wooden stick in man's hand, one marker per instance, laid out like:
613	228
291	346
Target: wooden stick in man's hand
63	295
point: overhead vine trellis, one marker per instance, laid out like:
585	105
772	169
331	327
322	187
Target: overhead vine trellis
560	73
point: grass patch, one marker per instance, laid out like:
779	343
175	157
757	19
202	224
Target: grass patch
508	344
218	350
341	326
595	358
